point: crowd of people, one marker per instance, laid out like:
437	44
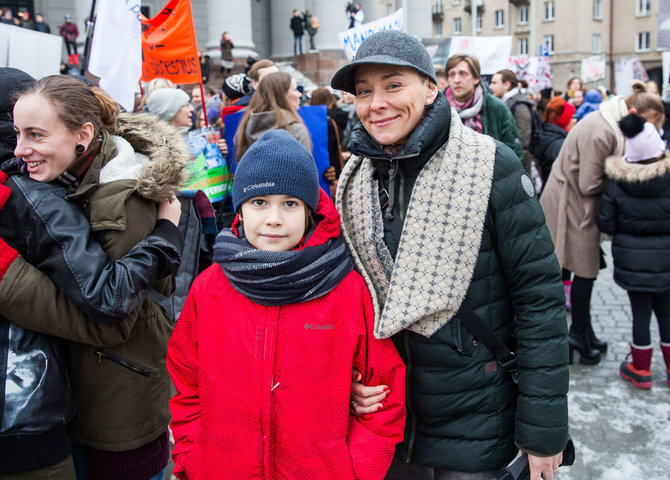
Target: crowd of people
409	323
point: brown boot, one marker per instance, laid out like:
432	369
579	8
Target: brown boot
638	371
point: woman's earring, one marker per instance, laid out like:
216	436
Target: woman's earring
80	148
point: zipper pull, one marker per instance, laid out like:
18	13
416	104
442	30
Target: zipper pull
99	354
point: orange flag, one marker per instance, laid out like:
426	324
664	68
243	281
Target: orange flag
169	48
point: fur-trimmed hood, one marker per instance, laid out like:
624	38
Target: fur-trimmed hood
620	170
150	151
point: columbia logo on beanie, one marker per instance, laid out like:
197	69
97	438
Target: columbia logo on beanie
276	164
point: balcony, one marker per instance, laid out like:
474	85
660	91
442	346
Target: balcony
478	3
438	13
519	3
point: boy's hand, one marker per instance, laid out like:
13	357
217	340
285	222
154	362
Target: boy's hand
365	399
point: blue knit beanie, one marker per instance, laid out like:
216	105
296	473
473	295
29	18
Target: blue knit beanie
276	164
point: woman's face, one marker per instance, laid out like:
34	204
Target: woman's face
43	141
183	117
575	84
293	95
390	101
200	122
578	98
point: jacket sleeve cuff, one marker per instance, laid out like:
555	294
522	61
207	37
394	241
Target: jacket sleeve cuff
169	232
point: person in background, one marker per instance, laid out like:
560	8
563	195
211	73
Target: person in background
592	101
26	21
70	32
258	70
41	25
205	65
172	105
337	122
478	109
504	85
578	98
442	82
274	105
226	47
296	25
311	31
635	209
574	84
557	119
355	15
441	219
234	87
7	17
570	202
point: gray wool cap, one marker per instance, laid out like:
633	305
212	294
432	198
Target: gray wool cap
388	47
166	102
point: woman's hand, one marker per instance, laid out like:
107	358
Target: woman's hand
170	210
223	147
365	399
330	175
544	467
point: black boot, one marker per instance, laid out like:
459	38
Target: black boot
588	355
596	342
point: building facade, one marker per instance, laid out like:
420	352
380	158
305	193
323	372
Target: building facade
570	29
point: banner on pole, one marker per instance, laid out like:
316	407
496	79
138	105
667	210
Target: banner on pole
169	47
535	70
493	53
593	68
352	38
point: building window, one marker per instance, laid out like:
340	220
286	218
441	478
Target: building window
457	2
389	8
549	42
523	46
500	18
523	15
596	43
438	29
643	42
457	26
478	23
597	10
642	8
549	12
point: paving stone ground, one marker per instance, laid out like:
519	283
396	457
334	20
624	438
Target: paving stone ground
620	432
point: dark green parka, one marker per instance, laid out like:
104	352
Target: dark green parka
464	411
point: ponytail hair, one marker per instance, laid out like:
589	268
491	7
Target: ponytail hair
76	103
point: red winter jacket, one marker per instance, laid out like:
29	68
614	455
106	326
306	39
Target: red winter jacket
264	392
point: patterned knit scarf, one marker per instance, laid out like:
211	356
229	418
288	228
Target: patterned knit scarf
281	278
470	110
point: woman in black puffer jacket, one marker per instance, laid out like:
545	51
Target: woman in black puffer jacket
635	208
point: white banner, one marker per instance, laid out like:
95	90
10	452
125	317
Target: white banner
666	76
625	71
38	54
352	38
116	51
535	70
593	68
493	53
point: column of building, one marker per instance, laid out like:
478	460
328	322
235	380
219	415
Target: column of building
281	12
419	18
234	17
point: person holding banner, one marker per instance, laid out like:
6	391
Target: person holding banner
444	225
274	105
115	168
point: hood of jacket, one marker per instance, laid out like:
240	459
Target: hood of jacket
145	150
261	122
638	179
12	80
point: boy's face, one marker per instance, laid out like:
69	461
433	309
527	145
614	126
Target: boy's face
275	223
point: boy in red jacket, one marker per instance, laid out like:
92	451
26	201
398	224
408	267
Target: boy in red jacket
263	352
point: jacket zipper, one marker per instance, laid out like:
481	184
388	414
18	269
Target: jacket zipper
120	361
413	420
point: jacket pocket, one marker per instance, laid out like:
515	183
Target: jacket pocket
121	361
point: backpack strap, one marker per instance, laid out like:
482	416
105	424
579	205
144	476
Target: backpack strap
505	357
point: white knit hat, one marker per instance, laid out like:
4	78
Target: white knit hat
646	145
166	102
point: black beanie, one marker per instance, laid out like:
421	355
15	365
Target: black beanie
276	164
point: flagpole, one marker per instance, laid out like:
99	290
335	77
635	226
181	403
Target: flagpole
89	36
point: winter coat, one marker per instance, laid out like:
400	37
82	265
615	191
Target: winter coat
547	147
499	123
521	107
69	32
263	391
572	193
122	390
464	411
635	208
261	122
297	26
227	50
592	101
